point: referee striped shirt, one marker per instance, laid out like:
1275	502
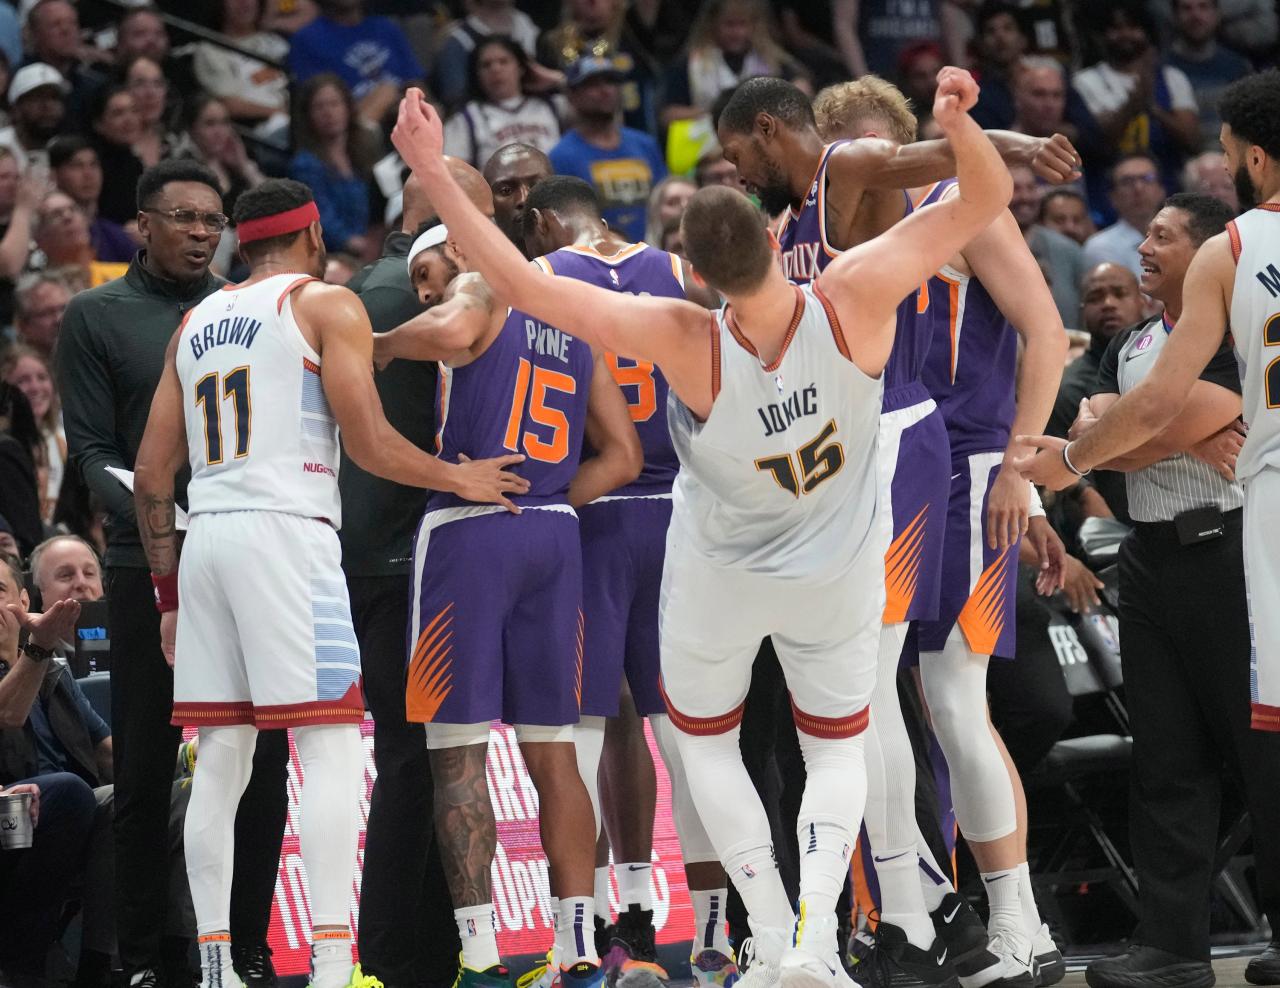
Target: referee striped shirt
1179	483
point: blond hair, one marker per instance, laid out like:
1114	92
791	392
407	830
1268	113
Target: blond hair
838	108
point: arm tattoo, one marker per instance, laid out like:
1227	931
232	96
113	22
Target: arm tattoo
465	825
159	530
471	290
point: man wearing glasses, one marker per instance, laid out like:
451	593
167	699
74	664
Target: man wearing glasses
1136	194
110	354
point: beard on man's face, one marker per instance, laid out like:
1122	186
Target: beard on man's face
1246	191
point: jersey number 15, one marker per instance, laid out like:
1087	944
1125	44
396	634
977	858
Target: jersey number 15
816	461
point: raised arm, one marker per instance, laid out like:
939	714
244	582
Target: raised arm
1148	408
346	350
866	283
610	432
443	331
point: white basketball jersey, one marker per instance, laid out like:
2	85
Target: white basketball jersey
260	434
781	478
1255	328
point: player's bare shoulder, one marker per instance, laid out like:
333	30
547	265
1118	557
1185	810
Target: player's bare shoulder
472	291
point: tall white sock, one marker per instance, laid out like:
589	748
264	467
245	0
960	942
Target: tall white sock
216	969
633	884
1004	899
575	934
601	897
331	962
1030	911
709	924
479	936
901	898
934	883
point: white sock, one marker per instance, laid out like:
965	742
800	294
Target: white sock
633	885
825	850
1004	899
575	936
602	894
479	936
215	960
709	921
331	962
1030	912
901	898
933	883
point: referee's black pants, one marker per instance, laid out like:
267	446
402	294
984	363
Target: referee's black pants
1184	644
407	932
145	749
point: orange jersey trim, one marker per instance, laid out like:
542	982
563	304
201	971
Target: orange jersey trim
745	343
834	319
715	358
1233	232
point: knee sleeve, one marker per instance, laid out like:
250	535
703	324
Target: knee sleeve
222	772
695	845
588	743
955	681
332	758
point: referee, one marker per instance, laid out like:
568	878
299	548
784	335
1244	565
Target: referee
1184	628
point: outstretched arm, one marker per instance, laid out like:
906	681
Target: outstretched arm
443	331
618	457
866	283
1148	408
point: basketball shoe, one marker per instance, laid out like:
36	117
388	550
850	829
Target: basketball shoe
712	969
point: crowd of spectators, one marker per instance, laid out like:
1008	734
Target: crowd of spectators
622	93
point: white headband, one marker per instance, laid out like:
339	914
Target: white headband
432	238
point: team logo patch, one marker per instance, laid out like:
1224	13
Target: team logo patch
613	276
778	381
748	871
1143	343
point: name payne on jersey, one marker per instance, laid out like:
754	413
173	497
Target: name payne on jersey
241	330
547	340
778	416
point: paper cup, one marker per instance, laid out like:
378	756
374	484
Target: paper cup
15	820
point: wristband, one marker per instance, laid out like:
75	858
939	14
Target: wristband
35	652
1066	462
1036	507
166	591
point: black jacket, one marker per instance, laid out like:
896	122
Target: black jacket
18	758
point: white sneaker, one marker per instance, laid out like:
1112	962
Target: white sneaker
761	955
1013	962
813	961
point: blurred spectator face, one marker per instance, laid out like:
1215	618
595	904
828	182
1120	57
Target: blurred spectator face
1025	204
1069	216
734	28
1109	300
9	175
597	99
1040	100
673	240
718	171
55	31
593	16
39	313
1136	191
511	175
1124	38
328	112
241	16
120	123
9	545
40	112
62	229
181	250
920	75
1207	174
30	375
499	73
1002	40
432	271
675	196
149	89
1166	254
1196	20
143	33
67	569
211	130
81	177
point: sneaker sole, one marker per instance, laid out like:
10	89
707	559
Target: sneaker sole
1171	976
801	977
1027	980
1051	969
1262	973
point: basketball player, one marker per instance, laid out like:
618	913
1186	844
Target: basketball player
623	542
496	622
257	381
969	318
775	402
1232	285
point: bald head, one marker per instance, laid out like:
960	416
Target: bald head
512	171
1109	300
473	186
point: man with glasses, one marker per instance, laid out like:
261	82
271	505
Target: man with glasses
1136	194
111	352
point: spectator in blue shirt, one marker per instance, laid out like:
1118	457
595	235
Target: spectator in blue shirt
370	54
334	158
623	164
1210	67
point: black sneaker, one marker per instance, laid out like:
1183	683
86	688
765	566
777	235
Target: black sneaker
1149	967
144	979
1265	968
603	932
892	961
632	954
963	932
253	963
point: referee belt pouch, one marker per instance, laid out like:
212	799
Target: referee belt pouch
1199	525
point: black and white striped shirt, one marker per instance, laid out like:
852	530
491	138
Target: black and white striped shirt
1181	482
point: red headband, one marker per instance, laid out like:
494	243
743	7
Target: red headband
290	221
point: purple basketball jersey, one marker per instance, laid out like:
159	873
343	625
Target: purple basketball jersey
636	270
526	394
971	365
